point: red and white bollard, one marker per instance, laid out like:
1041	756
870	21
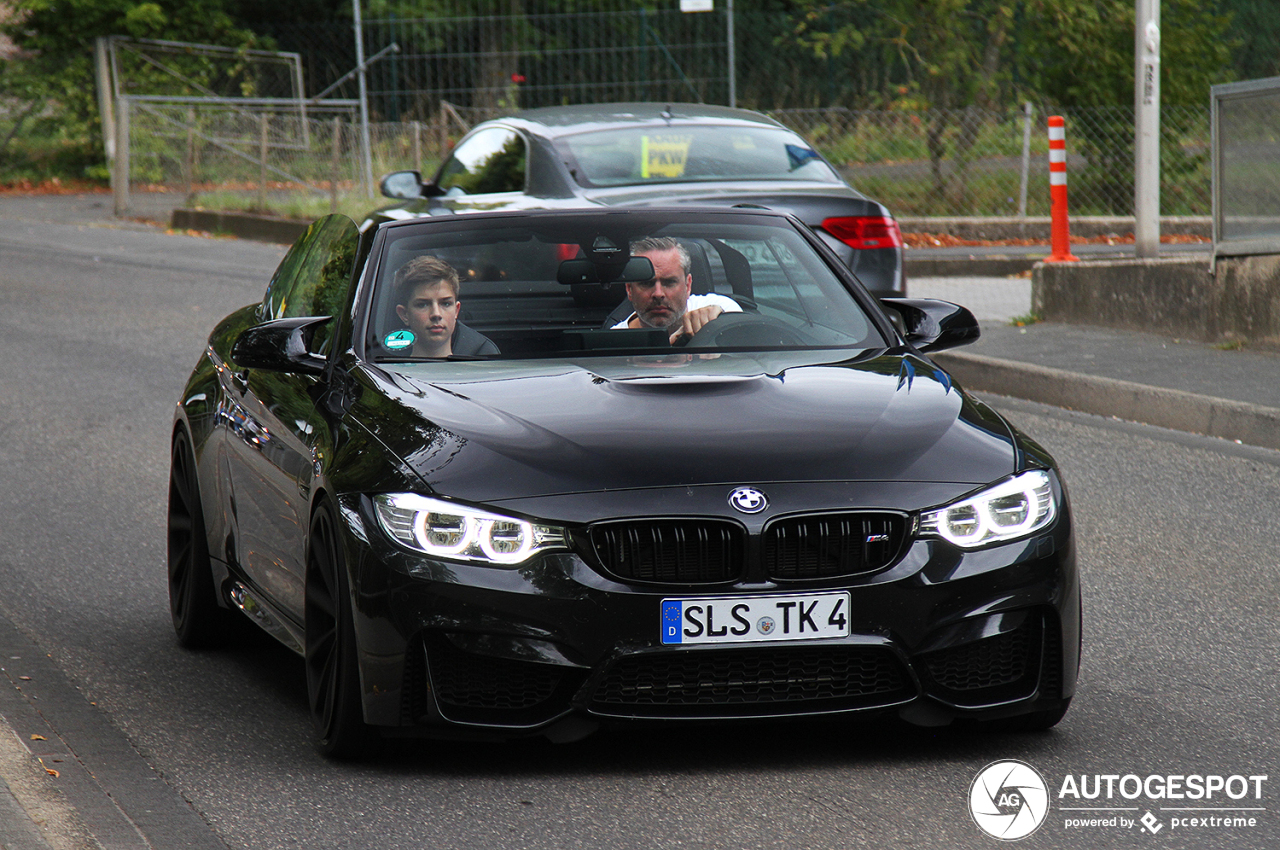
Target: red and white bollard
1060	231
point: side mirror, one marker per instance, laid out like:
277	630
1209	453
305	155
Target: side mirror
934	325
402	185
282	345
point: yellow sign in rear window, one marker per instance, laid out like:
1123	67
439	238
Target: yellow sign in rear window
663	156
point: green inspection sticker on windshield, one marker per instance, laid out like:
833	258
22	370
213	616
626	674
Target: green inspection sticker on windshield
398	340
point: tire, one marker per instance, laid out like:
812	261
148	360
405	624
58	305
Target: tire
333	675
199	621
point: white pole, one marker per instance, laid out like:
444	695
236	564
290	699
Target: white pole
366	151
1146	145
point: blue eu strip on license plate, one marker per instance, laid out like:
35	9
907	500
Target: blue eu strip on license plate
749	619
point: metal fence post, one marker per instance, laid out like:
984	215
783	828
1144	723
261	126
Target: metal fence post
120	173
262	162
335	163
417	146
1027	111
106	96
189	156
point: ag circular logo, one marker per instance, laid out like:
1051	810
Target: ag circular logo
766	625
1008	800
749	500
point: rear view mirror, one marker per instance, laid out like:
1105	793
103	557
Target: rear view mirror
577	271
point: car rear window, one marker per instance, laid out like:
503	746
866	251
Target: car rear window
680	153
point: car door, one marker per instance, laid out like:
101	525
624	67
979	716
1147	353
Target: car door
488	170
269	447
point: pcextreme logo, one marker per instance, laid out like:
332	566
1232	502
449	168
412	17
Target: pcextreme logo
1010	800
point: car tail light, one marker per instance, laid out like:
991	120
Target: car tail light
864	232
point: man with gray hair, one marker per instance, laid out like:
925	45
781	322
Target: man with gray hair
666	300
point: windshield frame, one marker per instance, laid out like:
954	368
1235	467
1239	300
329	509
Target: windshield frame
365	348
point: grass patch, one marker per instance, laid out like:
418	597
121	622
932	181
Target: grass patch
39	159
301	206
1031	318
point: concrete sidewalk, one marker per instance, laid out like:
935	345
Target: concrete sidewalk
1149	378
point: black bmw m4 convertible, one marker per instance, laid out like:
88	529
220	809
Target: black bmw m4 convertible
522	473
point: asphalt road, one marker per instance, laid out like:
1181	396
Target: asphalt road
98	329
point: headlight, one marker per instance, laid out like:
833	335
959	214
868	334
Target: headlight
446	530
1014	508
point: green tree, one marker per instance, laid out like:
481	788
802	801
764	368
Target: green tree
947	55
1078	54
57	38
1255	29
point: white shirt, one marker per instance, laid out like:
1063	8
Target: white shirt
726	304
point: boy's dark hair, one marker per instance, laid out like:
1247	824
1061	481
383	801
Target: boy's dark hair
422	270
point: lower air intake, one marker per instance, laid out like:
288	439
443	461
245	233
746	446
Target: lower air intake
751	682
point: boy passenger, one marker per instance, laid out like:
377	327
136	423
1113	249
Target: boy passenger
427	302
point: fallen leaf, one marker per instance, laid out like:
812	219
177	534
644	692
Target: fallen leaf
39	738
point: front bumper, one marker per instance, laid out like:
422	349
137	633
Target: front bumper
940	634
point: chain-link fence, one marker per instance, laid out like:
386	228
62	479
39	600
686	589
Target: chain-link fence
282	158
234	129
501	55
971	162
272	156
1246	208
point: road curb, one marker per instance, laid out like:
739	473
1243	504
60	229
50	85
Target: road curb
81	772
1166	408
972	266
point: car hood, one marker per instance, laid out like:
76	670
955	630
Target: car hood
810	202
494	431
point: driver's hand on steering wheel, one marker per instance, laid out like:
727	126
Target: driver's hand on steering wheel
694	321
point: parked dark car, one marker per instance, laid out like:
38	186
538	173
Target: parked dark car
564	522
645	154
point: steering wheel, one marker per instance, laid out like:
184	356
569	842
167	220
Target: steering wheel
746	330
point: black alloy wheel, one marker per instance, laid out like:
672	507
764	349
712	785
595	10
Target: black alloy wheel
333	676
198	620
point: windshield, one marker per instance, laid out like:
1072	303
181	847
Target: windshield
634	156
543	285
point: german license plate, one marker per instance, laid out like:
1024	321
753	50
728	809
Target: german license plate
748	619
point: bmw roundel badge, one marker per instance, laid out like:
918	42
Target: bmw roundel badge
749	500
